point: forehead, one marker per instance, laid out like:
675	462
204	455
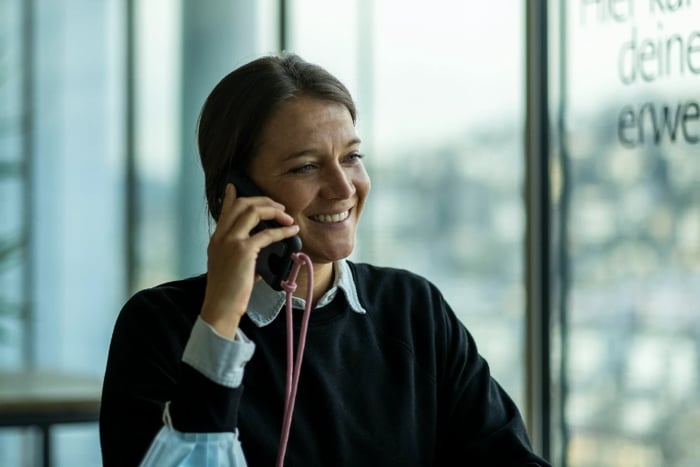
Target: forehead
308	121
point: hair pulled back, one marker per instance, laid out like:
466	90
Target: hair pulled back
236	111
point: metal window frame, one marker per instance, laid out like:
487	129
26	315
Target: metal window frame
537	246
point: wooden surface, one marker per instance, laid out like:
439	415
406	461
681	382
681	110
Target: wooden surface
48	397
43	398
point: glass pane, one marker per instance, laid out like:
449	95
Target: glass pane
14	446
157	144
70	445
71	198
77	182
182	50
12	184
439	91
632	305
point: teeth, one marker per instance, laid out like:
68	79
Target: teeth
332	217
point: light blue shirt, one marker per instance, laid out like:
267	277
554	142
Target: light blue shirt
223	360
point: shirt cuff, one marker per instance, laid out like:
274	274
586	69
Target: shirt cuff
220	359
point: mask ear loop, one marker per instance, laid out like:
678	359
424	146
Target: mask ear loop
294	365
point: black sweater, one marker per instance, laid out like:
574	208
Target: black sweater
402	385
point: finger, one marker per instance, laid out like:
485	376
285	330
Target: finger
234	207
225	218
242	225
267	237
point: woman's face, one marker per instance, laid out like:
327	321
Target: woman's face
309	160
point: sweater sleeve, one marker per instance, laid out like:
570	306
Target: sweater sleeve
145	371
480	421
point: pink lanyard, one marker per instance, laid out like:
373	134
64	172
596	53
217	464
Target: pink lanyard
294	366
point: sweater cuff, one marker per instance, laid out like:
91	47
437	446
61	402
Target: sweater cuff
220	359
200	405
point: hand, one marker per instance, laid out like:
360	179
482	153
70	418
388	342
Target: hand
232	252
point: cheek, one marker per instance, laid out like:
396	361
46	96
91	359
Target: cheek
363	185
362	193
296	202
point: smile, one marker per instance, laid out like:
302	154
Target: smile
331	218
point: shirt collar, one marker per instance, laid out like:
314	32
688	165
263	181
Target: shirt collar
266	302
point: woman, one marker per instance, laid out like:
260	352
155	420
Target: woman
390	376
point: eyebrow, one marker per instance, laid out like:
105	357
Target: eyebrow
305	152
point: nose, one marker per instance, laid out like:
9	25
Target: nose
338	183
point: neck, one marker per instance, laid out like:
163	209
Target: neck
323	279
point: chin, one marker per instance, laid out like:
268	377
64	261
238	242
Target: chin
331	256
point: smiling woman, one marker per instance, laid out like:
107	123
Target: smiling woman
309	157
390	375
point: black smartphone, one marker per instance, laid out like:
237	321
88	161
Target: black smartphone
275	260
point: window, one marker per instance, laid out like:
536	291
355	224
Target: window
101	190
629	199
441	107
62	146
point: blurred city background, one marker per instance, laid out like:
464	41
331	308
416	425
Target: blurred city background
101	193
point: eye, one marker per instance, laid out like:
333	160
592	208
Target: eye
303	168
355	157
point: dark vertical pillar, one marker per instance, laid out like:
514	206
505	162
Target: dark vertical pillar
537	228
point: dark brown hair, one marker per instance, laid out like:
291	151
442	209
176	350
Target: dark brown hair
240	105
